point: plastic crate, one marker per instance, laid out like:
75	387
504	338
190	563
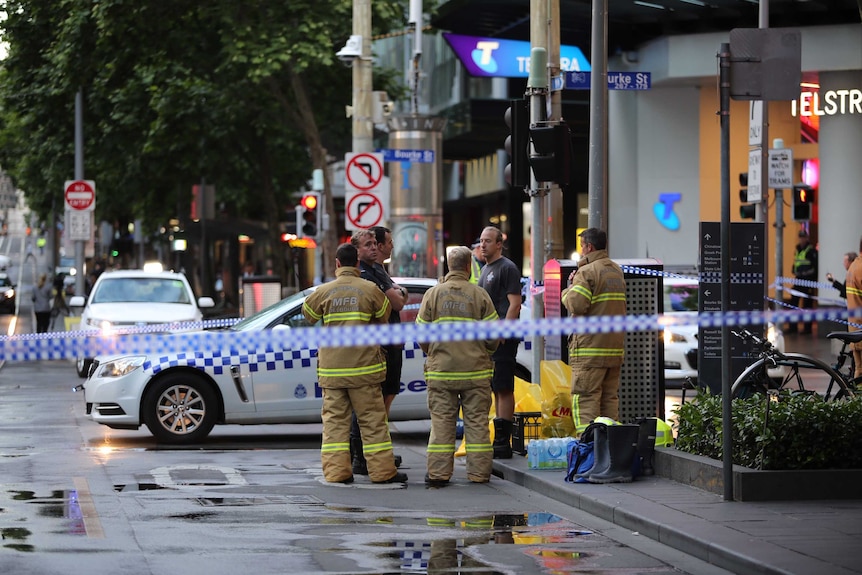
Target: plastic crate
525	427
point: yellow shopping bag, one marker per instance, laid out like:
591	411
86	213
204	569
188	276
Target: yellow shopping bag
556	377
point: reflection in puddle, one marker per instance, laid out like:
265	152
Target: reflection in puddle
139	487
445	555
60	504
14	535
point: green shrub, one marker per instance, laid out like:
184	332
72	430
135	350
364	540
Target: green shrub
803	432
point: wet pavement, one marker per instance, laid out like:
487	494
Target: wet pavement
78	497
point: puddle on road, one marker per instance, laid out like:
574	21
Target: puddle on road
60	504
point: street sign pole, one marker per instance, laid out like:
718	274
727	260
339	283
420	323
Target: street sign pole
80	286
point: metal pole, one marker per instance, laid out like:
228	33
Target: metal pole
762	213
556	241
778	144
363	126
598	177
726	420
80	286
537	91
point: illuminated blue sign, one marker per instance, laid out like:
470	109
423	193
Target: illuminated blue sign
507	58
663	210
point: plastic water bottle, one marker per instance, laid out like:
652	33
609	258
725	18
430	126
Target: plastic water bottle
556	453
533	454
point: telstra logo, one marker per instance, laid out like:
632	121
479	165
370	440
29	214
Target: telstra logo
482	56
663	210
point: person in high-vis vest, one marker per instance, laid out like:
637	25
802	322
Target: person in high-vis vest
476	262
351	376
854	306
596	288
804	268
458	373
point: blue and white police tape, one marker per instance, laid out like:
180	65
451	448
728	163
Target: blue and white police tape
248	343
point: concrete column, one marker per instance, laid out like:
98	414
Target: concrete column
839	198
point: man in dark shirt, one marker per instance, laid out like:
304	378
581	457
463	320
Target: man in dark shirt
367	243
502	280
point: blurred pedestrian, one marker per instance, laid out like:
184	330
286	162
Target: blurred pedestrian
41	242
477	261
458	373
854	306
42	302
59	306
805	269
849	257
351	377
501	278
597	288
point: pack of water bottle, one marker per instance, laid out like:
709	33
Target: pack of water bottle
548	453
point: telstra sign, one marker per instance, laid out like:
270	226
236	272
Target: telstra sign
507	58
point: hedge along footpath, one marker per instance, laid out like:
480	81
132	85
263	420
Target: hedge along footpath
794	431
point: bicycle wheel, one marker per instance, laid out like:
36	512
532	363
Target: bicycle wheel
792	371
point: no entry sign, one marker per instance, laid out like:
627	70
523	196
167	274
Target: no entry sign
363	210
80	195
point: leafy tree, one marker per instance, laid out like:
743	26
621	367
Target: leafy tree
246	94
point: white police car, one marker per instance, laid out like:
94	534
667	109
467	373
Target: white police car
181	395
681	340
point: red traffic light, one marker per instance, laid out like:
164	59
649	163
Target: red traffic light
309	201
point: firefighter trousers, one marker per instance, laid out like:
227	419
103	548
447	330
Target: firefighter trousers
474	400
337	412
595	392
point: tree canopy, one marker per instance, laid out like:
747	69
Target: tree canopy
247	94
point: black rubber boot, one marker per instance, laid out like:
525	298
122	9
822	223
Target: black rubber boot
646	445
601	452
622	443
502	434
357	459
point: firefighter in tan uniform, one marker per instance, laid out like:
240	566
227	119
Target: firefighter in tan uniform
854	306
350	377
458	373
597	288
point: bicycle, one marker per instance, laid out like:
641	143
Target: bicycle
822	379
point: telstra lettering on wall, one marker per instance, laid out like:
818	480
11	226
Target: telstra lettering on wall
827	104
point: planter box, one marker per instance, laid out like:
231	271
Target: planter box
753	485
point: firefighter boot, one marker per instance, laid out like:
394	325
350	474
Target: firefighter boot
601	453
646	445
621	450
502	433
357	458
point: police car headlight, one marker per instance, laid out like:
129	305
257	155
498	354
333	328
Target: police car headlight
120	366
672	337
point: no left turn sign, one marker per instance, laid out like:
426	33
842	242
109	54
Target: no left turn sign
363	172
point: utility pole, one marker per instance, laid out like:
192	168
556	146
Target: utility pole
80	286
598	176
363	126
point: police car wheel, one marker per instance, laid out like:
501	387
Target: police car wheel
180	409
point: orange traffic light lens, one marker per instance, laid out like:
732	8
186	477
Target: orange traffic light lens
309	202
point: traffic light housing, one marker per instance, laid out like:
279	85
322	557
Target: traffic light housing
517	117
551	160
308	215
746	211
803	198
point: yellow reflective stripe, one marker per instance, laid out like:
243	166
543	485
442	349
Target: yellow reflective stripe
598	352
610	296
343	371
334	447
491	316
854	291
437	521
420	320
583	290
382	309
347	316
479	448
376	447
458	375
306	308
438	448
580	426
